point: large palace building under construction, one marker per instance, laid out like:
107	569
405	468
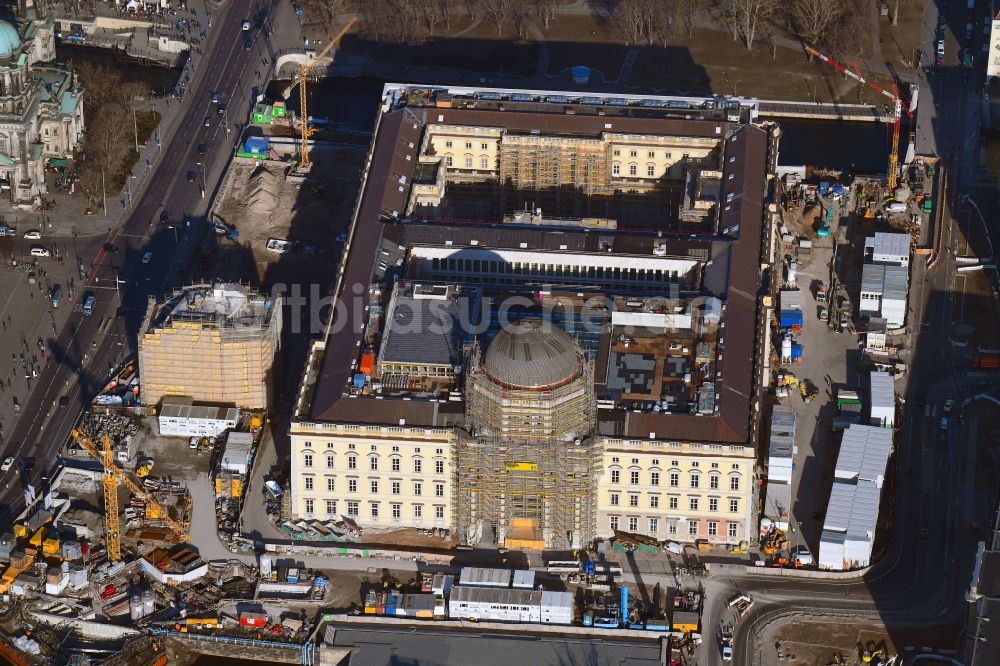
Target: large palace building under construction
550	322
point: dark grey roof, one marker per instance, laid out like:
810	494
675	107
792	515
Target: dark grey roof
422	331
515	237
399	645
632	373
531	353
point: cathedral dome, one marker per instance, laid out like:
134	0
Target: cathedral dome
10	41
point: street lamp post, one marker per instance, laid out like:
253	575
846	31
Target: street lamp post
104	195
135	125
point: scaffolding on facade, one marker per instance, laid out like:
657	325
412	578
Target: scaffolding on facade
531	486
213	343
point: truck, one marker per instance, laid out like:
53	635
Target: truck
846	397
227	230
986	362
726	643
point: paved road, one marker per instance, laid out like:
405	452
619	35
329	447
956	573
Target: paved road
916	584
88	346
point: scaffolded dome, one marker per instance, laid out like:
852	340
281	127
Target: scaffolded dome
532	354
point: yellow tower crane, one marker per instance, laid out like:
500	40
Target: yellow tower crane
113	477
304	130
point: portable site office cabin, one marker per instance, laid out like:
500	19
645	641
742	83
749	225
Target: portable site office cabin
882	394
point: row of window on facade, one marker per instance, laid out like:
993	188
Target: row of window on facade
484	162
468	145
674	479
395	487
633	169
574	270
650	154
395	463
374	509
653	524
673	502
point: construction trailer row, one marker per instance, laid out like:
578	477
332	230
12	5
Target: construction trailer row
885	278
852	512
781	453
881	398
502	595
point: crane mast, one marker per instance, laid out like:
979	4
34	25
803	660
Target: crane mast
897	108
304	130
113	477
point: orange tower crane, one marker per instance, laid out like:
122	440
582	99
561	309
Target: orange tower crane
897	102
305	130
113	476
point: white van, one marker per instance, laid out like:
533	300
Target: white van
39	251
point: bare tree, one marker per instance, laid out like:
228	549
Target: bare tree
497	11
521	13
748	15
129	94
428	12
629	22
857	28
769	35
690	11
812	19
546	11
330	8
660	24
100	81
372	19
444	9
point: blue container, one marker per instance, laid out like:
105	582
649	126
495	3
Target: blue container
789	318
359	381
796	350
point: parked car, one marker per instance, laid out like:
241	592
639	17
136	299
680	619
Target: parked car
146	257
824	314
802	554
63	400
948	405
8	462
33	234
944	423
110	248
